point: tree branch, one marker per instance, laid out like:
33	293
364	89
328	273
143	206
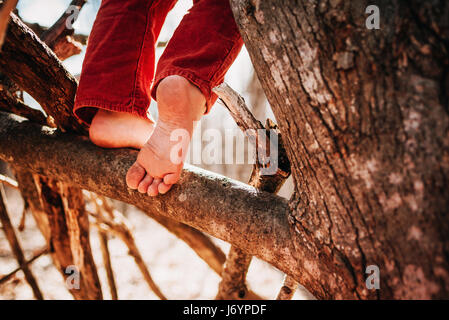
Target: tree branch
59	37
9	103
39	254
35	68
233	284
16	248
232	211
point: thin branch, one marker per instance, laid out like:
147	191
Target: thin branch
233	283
59	29
39	254
118	225
8	181
16	248
103	234
59	37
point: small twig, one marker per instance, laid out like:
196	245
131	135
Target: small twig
118	224
288	288
6	8
16	248
103	234
9	182
107	261
39	254
21	226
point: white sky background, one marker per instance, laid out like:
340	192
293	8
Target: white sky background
46	12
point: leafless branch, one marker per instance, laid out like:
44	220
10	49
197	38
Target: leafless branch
16	247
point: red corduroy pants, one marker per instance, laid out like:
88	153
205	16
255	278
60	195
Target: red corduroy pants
118	70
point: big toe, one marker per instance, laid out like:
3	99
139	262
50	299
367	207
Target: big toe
134	175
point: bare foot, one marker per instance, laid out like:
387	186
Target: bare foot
119	129
160	161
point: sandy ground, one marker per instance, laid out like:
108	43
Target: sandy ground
174	266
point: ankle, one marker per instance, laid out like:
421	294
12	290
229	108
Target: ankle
179	101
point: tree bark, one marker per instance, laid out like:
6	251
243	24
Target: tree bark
31	64
364	117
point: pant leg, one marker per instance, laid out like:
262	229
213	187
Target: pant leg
203	47
119	64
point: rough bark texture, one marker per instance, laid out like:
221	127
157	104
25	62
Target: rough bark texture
78	231
36	69
69	235
233	283
232	211
364	116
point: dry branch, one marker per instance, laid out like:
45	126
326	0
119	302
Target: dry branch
9	103
31	64
16	248
59	37
233	284
78	229
39	254
232	211
103	235
8	181
118	224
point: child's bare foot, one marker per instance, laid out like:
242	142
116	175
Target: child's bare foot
119	129
160	160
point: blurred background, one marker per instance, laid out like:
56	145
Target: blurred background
174	266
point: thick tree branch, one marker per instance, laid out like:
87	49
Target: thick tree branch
34	67
232	211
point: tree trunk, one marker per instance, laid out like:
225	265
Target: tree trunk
364	116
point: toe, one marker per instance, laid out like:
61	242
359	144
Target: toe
171	178
153	188
163	188
143	185
135	174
